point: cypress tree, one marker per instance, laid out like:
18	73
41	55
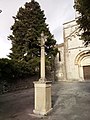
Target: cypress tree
26	30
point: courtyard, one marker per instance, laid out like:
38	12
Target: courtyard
70	101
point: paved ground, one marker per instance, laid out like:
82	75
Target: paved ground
71	101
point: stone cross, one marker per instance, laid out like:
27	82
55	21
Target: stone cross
42	87
43	40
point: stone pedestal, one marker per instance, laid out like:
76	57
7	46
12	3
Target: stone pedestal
42	97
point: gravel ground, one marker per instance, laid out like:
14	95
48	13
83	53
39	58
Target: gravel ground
70	101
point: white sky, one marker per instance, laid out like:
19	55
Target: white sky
57	12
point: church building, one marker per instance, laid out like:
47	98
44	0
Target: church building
73	59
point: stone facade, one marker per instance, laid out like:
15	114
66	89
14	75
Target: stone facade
73	60
59	62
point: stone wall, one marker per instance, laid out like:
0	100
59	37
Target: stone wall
59	63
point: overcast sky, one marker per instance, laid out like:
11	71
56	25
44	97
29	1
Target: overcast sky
57	12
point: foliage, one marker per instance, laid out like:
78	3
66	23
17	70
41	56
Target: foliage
26	31
83	8
10	70
6	69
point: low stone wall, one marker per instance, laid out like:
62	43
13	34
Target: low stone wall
19	85
24	83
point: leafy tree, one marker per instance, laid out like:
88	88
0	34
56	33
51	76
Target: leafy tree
83	8
26	31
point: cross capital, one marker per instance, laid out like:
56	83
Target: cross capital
43	39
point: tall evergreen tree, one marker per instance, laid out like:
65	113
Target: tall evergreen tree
83	8
26	31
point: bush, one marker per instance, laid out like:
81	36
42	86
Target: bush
6	69
11	71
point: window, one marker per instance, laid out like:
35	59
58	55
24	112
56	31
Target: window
59	56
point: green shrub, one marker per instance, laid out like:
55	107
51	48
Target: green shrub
11	71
